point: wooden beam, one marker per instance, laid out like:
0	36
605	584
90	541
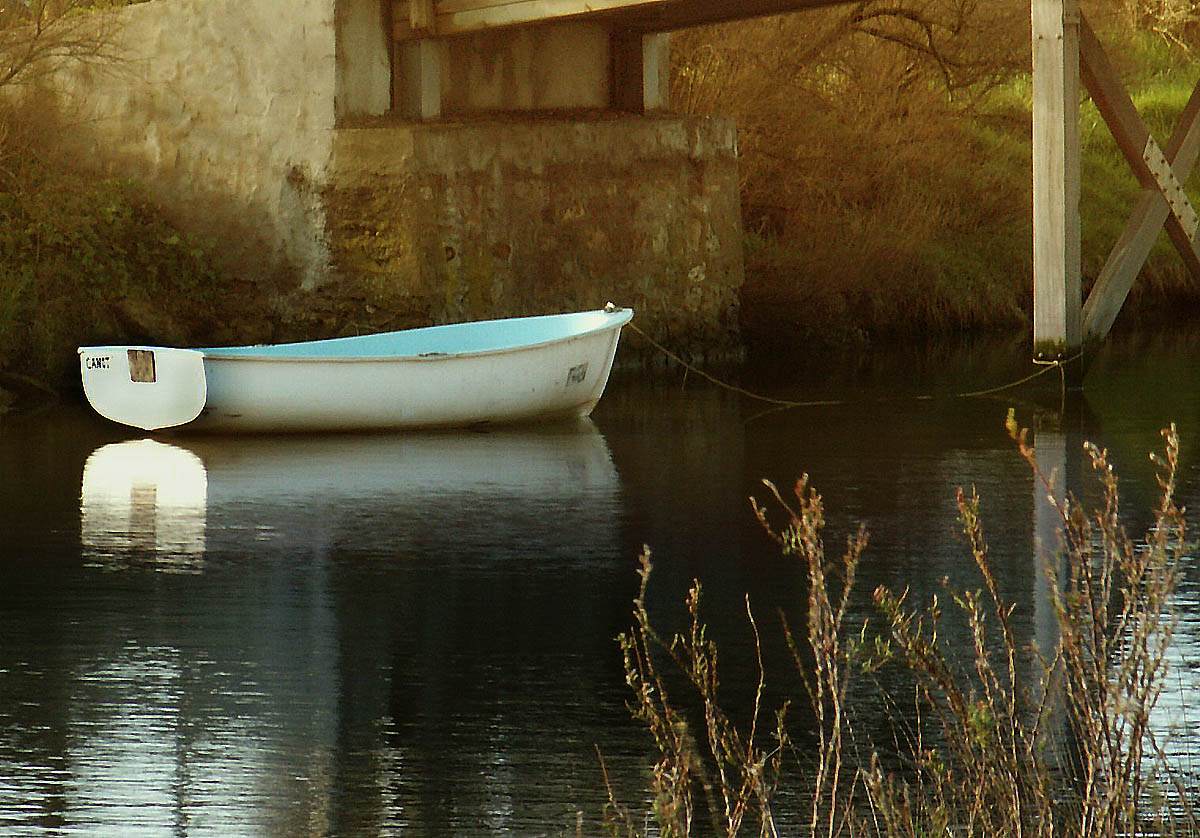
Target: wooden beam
641	71
1140	149
1057	304
419	79
420	15
1141	231
456	17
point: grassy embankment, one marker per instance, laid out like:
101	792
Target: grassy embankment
887	192
83	257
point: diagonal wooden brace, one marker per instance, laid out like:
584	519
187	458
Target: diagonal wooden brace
1162	176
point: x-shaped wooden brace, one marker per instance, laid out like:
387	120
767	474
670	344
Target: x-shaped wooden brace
1161	175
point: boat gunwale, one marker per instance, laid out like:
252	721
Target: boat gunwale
376	359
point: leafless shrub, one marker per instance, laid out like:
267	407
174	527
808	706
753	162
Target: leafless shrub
37	37
826	640
1175	21
990	764
1116	622
711	763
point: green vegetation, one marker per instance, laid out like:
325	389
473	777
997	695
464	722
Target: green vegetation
89	259
886	158
86	258
1002	740
83	257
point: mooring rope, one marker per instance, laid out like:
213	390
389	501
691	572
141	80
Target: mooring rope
1046	366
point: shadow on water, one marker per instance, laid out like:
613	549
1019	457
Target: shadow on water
371	633
338	633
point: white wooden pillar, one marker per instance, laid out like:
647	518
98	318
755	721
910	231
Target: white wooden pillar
641	77
419	79
418	70
1057	300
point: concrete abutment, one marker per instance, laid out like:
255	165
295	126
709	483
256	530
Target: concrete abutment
521	171
459	221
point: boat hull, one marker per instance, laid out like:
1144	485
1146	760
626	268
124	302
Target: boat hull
543	383
348	385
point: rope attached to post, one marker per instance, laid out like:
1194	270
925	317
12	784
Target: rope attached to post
1047	366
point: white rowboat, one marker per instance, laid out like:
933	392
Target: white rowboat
494	371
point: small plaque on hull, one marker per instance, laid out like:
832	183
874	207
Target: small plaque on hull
141	366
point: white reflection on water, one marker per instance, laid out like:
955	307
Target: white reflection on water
144	496
1173	720
244	696
149	501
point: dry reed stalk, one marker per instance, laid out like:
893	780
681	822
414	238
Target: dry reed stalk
992	768
729	772
825	620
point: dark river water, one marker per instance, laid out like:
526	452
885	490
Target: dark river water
391	634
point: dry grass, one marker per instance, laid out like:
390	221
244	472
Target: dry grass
886	157
986	756
737	778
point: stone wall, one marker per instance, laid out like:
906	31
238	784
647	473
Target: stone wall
237	116
458	221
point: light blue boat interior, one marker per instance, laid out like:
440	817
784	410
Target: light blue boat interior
456	339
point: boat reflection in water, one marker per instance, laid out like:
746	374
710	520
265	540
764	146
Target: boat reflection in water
293	617
148	499
144	497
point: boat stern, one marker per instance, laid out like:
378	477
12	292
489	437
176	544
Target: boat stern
147	387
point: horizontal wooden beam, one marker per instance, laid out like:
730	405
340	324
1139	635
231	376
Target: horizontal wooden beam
459	17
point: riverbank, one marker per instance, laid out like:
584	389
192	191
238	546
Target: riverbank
885	201
882	202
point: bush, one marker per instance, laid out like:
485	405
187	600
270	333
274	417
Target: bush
886	158
85	259
984	759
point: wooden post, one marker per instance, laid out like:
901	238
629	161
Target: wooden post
641	74
1057	301
419	79
420	16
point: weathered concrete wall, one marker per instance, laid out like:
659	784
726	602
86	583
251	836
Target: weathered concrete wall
567	65
236	115
440	223
364	59
225	109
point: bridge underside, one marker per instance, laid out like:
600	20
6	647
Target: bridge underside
445	18
470	57
459	58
